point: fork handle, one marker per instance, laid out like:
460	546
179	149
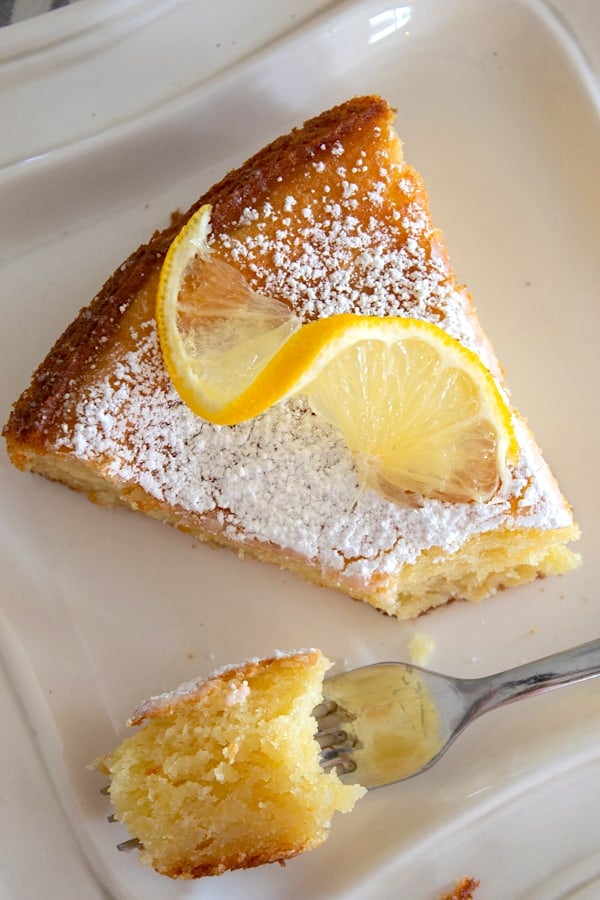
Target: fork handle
554	671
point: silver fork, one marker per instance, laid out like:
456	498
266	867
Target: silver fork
390	721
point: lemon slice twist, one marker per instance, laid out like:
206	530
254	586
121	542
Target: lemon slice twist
418	410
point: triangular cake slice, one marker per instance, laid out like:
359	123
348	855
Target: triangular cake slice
330	219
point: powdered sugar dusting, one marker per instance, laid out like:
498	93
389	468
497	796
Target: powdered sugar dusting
340	252
286	478
337	263
237	693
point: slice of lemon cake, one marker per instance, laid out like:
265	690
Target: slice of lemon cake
224	773
388	463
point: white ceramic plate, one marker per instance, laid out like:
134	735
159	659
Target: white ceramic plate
101	608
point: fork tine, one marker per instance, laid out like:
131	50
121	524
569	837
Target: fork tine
131	844
338	761
124	846
325	708
330	738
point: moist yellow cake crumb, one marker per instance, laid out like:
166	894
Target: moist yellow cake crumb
224	773
420	648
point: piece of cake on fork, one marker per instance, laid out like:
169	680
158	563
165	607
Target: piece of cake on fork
329	220
225	772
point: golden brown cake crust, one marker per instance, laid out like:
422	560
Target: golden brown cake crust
229	863
192	693
36	411
463	890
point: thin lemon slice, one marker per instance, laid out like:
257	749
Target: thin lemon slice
419	411
216	334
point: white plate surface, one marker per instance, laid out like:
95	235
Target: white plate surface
100	608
